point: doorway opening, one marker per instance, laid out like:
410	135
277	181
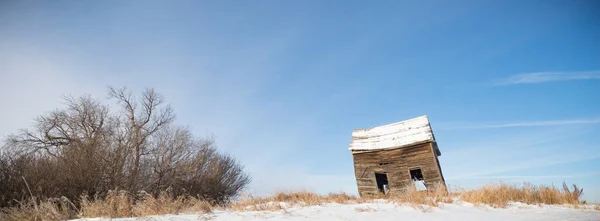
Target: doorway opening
382	182
416	175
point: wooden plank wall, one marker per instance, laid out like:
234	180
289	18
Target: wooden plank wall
396	163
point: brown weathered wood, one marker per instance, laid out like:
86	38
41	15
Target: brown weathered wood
395	149
398	163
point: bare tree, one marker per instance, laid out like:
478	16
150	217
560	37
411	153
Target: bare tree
141	123
85	148
170	150
65	142
81	122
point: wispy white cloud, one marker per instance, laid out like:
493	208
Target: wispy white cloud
498	164
548	123
521	165
532	151
529	177
541	123
542	77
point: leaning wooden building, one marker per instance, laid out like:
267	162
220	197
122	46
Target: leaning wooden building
393	157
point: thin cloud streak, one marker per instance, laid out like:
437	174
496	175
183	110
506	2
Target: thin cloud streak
543	77
525	124
529	176
544	123
524	165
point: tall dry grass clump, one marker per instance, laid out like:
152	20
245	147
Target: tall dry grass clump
163	204
340	198
166	203
432	197
121	204
115	204
306	198
500	194
33	209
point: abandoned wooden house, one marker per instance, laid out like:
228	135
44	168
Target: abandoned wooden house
393	157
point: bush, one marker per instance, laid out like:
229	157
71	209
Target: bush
88	148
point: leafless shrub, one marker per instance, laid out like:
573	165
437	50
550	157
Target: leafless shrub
86	148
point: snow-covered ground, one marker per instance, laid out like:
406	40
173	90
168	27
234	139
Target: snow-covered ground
388	211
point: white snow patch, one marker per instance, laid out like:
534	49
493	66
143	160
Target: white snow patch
381	210
396	135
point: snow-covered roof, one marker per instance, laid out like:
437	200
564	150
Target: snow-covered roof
400	134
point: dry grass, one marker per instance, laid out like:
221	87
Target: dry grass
115	204
33	209
496	195
500	194
432	197
283	200
121	204
340	198
167	204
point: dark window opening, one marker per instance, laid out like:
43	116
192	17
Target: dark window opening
382	182
416	174
386	163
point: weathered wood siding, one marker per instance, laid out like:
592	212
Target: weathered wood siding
397	163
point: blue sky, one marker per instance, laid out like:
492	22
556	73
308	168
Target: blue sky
512	88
